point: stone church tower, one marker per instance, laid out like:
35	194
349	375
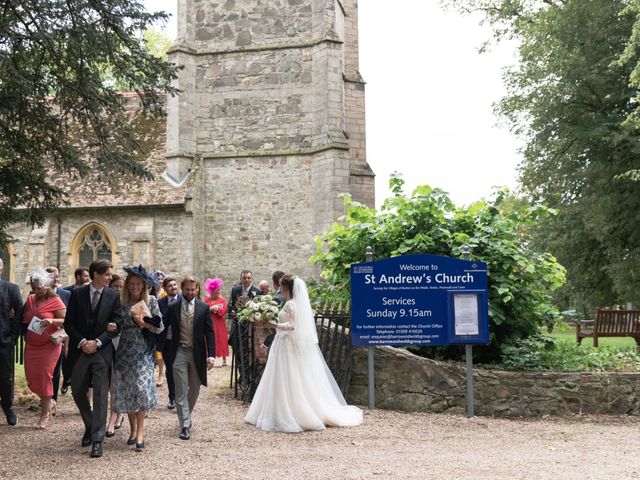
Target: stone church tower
267	132
271	125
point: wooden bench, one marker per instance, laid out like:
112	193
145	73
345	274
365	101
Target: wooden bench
610	323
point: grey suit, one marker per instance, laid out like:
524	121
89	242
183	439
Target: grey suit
190	361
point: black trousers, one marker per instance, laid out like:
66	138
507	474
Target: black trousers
168	368
6	377
92	370
240	345
56	375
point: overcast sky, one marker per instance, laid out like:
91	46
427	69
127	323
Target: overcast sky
429	98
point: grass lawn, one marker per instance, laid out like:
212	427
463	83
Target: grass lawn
570	336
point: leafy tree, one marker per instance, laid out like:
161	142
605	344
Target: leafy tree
520	279
53	59
573	98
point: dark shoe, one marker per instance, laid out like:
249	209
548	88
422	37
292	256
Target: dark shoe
96	450
109	434
12	418
184	434
86	438
131	441
139	447
119	423
171	405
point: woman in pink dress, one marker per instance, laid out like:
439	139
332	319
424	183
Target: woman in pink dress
41	353
218	307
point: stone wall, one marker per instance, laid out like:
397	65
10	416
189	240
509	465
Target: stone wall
267	131
272	113
156	237
407	382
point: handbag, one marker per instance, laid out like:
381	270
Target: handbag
58	336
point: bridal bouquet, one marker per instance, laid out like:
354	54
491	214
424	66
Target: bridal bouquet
258	309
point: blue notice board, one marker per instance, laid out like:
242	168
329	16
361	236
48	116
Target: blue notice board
419	300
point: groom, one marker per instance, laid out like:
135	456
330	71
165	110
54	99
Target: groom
91	308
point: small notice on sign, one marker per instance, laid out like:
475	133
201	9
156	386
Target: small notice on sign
465	307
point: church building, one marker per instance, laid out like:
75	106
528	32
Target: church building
268	130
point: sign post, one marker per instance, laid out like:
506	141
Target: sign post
468	354
370	353
419	300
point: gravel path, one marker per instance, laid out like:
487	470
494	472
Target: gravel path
389	445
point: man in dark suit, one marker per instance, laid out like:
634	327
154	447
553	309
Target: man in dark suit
10	318
192	350
91	308
275	278
64	295
240	343
163	344
82	277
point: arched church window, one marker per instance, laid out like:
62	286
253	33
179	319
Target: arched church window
94	246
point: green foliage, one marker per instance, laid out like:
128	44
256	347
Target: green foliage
53	58
323	293
573	98
520	279
541	352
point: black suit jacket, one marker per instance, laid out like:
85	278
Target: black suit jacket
204	344
64	295
78	325
10	298
163	304
236	292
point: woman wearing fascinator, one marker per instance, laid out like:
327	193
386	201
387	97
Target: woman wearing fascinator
44	315
297	391
134	390
218	308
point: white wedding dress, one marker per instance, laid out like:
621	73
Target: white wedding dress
297	391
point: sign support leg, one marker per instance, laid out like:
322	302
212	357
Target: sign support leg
371	380
469	354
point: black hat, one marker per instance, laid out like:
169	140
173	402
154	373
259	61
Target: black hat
139	271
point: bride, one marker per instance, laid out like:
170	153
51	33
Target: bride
297	391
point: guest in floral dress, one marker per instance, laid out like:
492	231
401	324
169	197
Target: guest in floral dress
134	385
218	308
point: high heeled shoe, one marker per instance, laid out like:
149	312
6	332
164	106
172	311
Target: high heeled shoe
131	441
119	421
43	422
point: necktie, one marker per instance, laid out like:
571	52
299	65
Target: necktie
95	300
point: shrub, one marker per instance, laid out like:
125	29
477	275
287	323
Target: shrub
541	353
520	280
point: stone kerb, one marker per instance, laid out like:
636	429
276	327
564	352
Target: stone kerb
407	382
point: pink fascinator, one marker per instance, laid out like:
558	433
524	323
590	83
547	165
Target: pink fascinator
212	284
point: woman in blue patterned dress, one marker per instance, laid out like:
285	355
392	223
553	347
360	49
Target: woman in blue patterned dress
134	389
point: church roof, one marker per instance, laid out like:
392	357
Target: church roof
98	191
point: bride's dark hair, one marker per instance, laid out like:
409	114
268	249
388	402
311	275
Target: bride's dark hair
287	283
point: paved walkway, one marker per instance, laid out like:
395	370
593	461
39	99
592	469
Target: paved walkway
389	445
